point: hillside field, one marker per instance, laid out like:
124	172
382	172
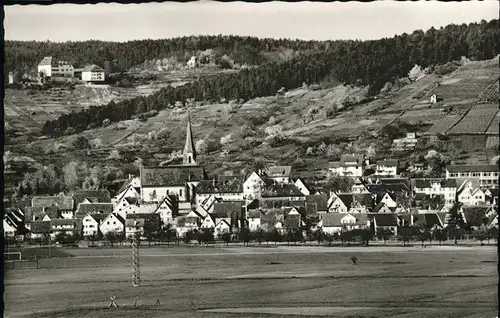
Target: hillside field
261	282
302	113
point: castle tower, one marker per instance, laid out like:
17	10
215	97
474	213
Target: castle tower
189	154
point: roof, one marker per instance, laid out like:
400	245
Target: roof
282	190
47	60
255	214
334	219
40	227
318	202
253	205
171	175
357	159
427	183
63	222
229	209
476	216
94	196
347	199
92	68
387	162
472	168
279	171
52	212
171	201
227	185
62	202
427	219
99	217
86	208
385	219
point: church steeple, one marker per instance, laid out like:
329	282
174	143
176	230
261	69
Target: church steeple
189	154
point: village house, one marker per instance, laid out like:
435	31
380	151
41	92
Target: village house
344	203
232	210
40	229
65	204
407	143
52	68
135	224
227	188
208	222
279	174
254	184
91	223
348	166
223	225
126	205
387	221
332	223
486	174
93	74
112	223
305	188
281	195
168	209
91	196
91	208
317	203
435	187
66	226
189	222
359	186
469	195
387	167
254	219
430	221
131	189
207	206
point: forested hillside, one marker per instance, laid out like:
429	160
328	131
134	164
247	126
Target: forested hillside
23	56
370	63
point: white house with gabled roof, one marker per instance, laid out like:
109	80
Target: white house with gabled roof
253	186
112	223
168	210
208	222
223	225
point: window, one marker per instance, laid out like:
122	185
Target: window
180	192
108	222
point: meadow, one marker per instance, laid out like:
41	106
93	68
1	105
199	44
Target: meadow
236	281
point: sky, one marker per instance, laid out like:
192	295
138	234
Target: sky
302	20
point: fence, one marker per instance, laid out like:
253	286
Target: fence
21	264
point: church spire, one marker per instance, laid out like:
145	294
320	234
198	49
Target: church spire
189	154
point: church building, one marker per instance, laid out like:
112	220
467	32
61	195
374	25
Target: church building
178	180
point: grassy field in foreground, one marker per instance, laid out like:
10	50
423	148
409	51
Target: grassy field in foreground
437	282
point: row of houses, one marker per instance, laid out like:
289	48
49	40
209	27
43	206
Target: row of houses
353	165
185	198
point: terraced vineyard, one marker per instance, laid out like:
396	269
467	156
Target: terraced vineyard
491	94
493	129
444	124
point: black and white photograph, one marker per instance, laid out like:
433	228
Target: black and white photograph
263	160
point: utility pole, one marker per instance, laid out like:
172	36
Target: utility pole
136	276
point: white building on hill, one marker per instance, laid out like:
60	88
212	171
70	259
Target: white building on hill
93	73
52	68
